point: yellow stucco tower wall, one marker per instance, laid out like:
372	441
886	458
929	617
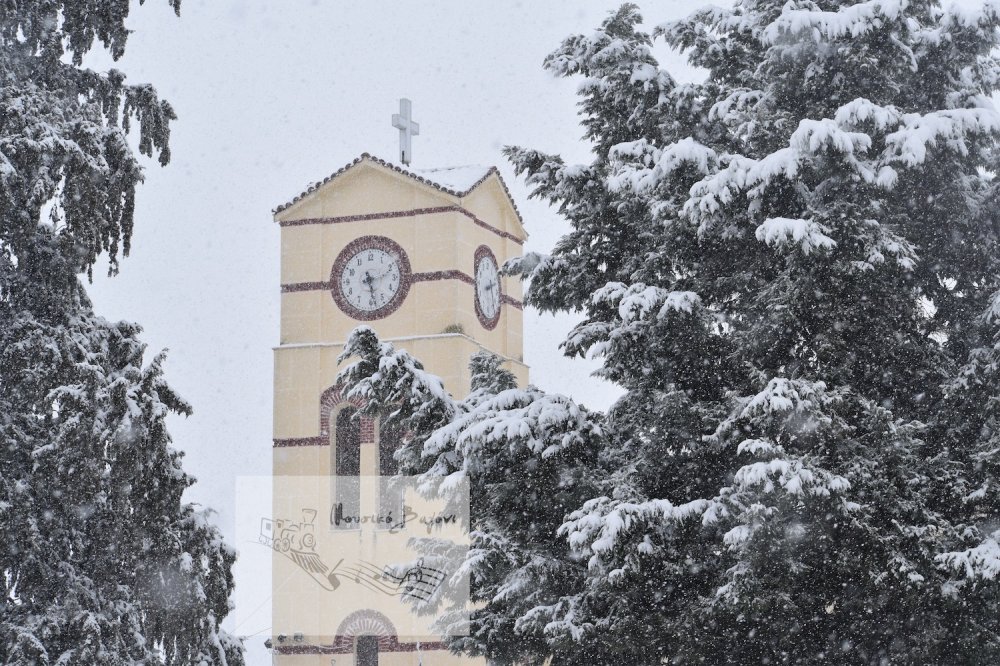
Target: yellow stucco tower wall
442	231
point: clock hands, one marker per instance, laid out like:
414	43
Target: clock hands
490	299
369	278
369	282
372	277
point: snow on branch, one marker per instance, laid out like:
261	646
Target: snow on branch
851	21
527	264
982	15
812	138
810	236
880	241
709	195
558	619
638	300
914	133
861	110
799	404
384	377
981	562
783	395
516	420
602	523
700	31
657	164
992	313
758	447
909	144
615	48
736	104
789	407
792	474
548	176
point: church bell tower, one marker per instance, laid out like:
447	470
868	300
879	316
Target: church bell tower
415	255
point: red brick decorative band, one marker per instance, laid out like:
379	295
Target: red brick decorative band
305	286
345	645
512	302
409	174
429	276
301	441
388	215
442	275
364	622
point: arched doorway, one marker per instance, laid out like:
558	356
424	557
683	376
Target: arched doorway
369	632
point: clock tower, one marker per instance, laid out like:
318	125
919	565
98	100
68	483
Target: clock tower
415	254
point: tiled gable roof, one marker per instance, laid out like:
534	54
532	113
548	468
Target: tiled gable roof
426	177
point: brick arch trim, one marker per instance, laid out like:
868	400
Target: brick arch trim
366	622
329	400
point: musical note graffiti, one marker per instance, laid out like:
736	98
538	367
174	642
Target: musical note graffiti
296	540
416	582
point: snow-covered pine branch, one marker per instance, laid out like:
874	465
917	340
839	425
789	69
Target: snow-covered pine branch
527	457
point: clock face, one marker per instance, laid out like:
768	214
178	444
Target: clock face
370	278
487	288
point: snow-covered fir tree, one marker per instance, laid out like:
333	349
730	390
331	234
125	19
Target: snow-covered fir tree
102	560
529	460
792	268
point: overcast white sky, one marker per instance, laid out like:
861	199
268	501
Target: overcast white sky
272	96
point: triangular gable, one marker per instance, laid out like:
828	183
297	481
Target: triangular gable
456	182
491	198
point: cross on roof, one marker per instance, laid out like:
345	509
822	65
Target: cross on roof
403	121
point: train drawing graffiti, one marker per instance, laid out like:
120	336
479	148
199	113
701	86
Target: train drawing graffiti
297	541
285	535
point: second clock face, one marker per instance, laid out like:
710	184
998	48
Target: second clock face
370	277
487	287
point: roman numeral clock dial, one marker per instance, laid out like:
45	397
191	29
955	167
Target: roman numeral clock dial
370	278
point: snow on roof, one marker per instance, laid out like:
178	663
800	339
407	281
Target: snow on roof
457	181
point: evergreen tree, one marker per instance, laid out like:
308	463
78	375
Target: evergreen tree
527	458
103	563
792	269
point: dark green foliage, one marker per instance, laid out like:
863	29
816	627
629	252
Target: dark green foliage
793	260
792	269
527	458
103	561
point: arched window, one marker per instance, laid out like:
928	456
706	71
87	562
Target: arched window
389	439
390	500
347	470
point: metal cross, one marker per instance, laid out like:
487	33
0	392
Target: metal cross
403	121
